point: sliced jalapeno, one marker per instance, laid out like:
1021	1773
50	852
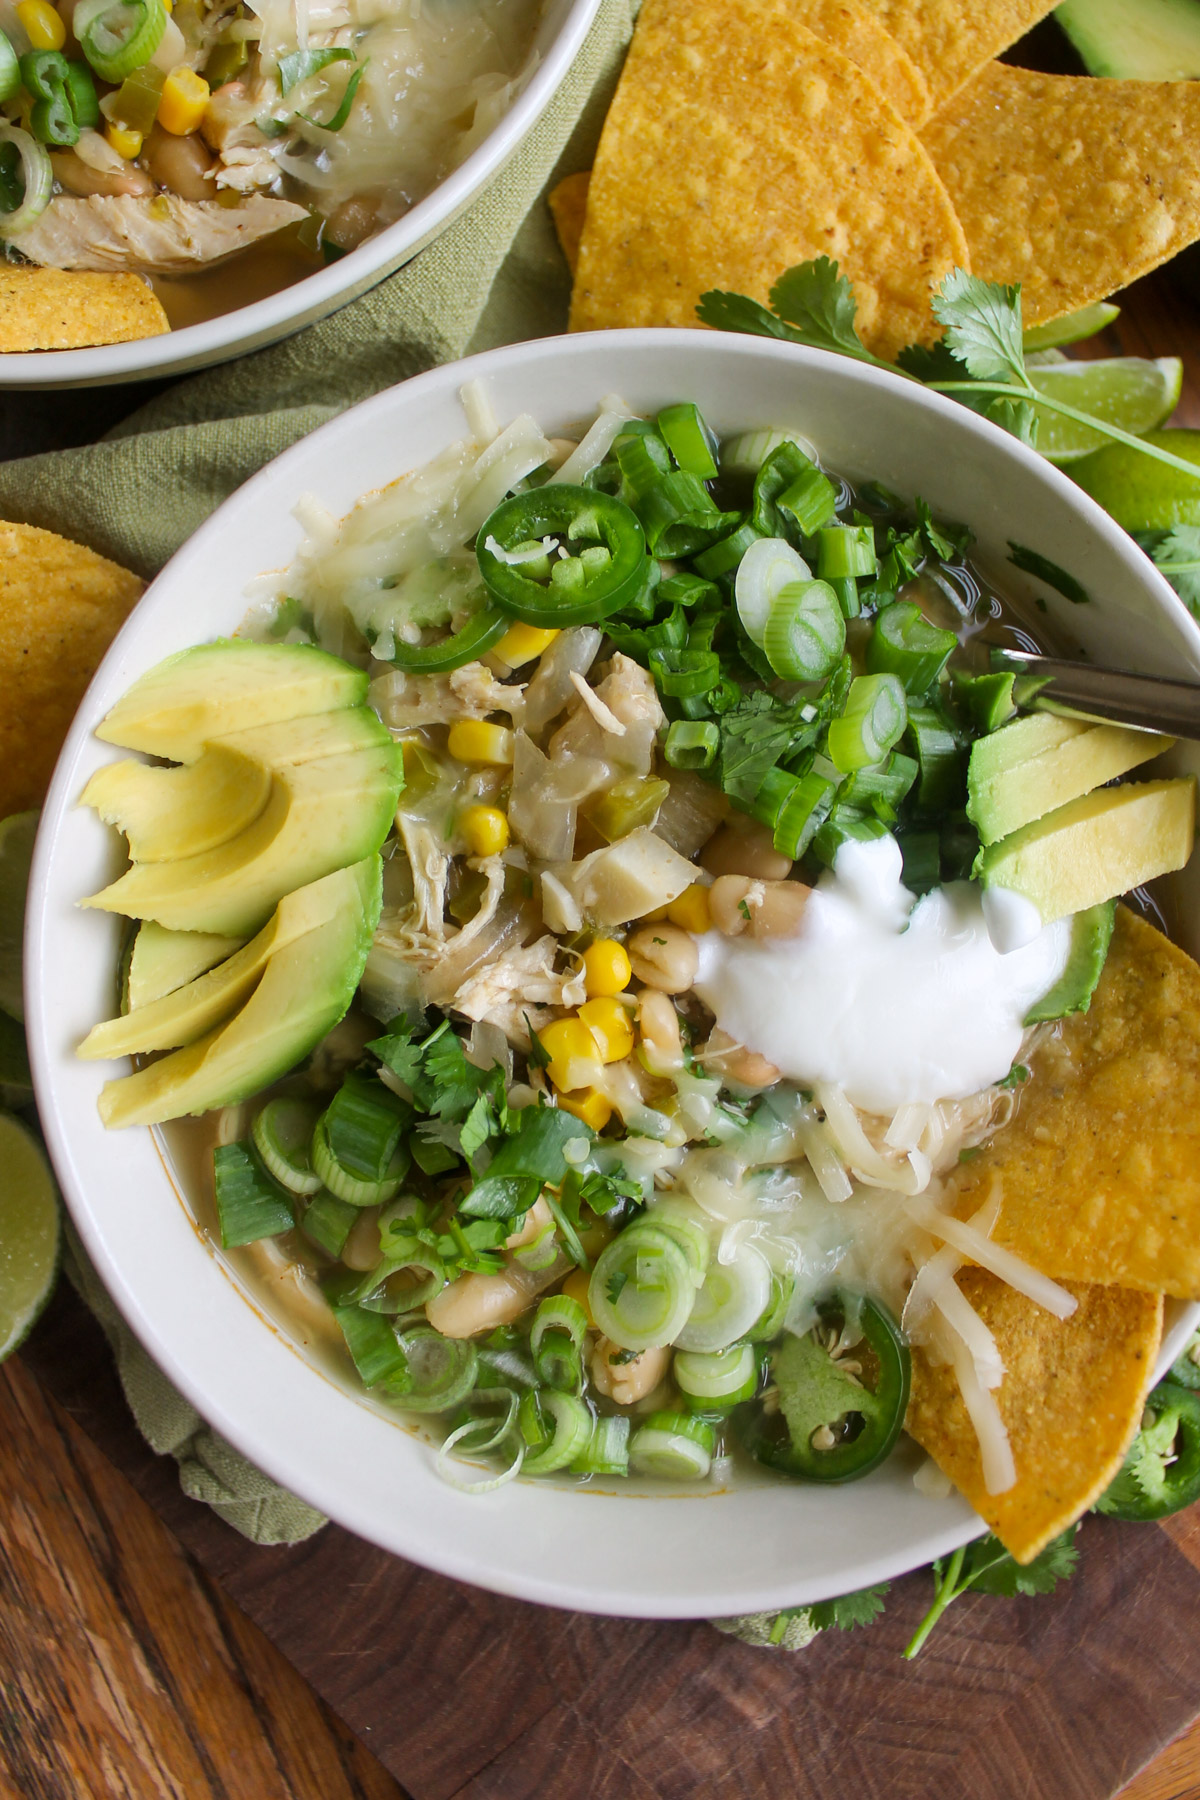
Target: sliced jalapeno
835	1402
597	564
1161	1471
52	117
477	637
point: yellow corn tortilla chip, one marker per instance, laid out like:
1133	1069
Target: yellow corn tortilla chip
1098	1175
1071	1400
949	40
738	144
60	607
854	28
1071	186
568	209
71	309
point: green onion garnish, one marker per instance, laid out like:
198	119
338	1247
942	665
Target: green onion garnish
377	1354
556	1343
805	808
678	1446
805	632
607	1449
282	1133
692	745
118	36
904	643
250	1205
10	69
642	1288
328	1221
687	438
873	721
942	764
569	1435
811	500
720	1377
363	1125
846	550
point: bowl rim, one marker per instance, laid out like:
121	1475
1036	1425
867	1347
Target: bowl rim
316	296
227	1412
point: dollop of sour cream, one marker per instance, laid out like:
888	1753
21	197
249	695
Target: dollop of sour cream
897	1000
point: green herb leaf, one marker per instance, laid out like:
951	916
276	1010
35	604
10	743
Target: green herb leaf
983	326
343	112
846	1611
991	1570
398	1053
302	63
821	304
735	312
1015	416
1177	555
1016	1075
476	1128
1049	572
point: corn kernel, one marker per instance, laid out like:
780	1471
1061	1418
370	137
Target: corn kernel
473	741
575	1287
691	910
43	26
184	98
572	1051
610	1025
521	643
484	830
123	140
606	969
590	1106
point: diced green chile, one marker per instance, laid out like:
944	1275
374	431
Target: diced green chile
46	75
568	513
818	1422
1161	1471
477	637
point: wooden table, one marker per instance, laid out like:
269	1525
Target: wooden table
128	1671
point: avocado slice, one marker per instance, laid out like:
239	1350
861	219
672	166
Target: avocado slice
179	1017
167	813
1096	847
321	816
159	961
197	806
1091	934
305	989
1029	768
178	707
1135	40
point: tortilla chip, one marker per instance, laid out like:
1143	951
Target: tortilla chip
1071	186
1071	1400
1099	1172
853	27
60	608
738	144
568	209
71	309
950	40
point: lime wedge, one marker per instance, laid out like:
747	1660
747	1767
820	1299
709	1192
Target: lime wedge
16	853
1140	494
1130	392
30	1233
1072	328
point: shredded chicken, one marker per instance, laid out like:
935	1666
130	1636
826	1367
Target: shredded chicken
430	865
163	235
246	170
627	696
522	980
406	702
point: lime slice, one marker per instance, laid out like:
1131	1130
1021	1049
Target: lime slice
16	853
1140	494
1072	328
30	1234
1130	392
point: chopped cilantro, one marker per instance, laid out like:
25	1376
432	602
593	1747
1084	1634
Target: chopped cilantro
846	1611
987	1566
1016	1075
1049	572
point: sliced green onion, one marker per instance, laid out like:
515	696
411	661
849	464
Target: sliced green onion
874	719
989	699
726	1376
721	559
675	1446
846	826
479	635
81	91
905	644
349	1187
541	1250
811	500
556	1343
685	674
37	180
732	1299
678	1222
441	1371
379	1291
643	460
303	63
363	1125
846	591
805	632
374	1347
250	1205
746	453
692	745
922	853
774	795
118	36
569	1438
282	1134
688	439
328	1222
768	566
805	807
343	112
771	1323
431	1157
846	550
941	761
479	1436
607	1449
10	69
641	1290
880	784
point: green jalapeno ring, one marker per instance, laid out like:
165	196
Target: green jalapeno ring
1148	1486
552	511
479	635
52	117
768	1435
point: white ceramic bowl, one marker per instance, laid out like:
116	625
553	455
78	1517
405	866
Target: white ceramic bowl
560	33
668	1555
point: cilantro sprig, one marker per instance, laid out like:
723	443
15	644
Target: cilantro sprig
987	1567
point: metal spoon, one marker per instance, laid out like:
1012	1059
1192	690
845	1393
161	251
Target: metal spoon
1079	690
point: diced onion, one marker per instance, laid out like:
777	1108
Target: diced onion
36	174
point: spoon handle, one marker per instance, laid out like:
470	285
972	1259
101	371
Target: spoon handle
1146	702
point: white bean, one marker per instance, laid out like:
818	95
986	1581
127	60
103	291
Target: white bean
664	957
